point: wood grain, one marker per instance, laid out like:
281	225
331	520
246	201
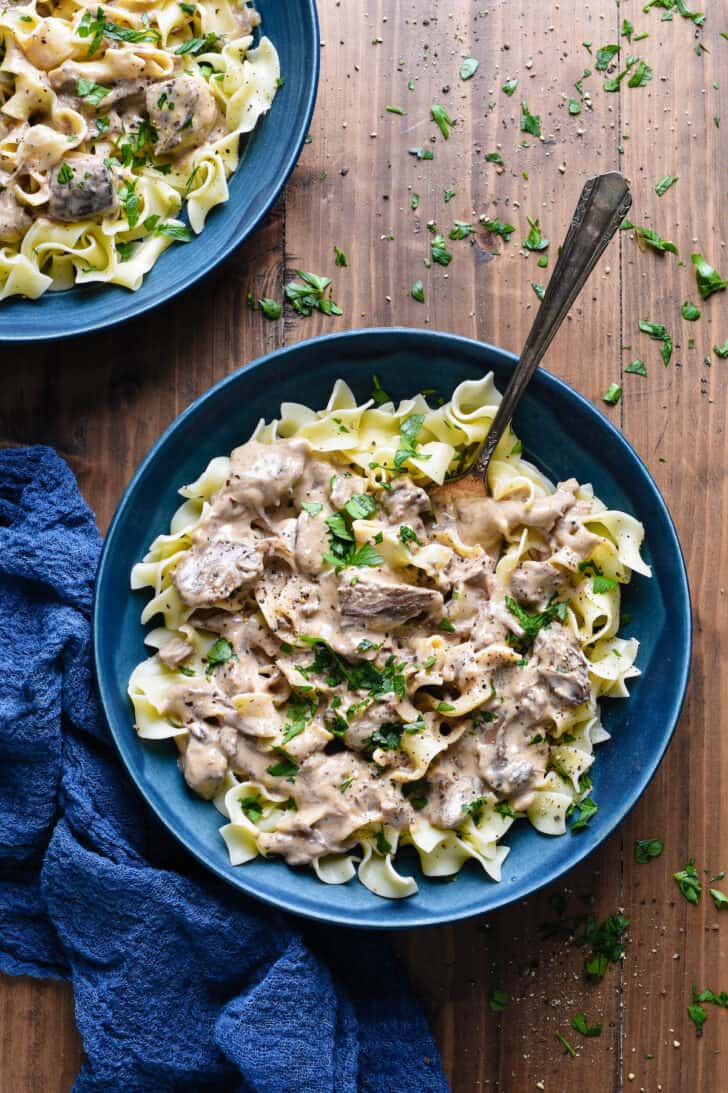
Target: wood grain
103	401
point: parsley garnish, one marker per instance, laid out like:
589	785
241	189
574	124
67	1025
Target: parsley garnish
709	280
468	68
408	535
498	1000
565	1043
690	311
416	793
418	292
194	46
311	295
606	943
440	253
341	259
613	394
720	899
601	584
509	87
379	395
531	624
494	157
688	882
504	809
647	849
442	119
383	845
646	237
313	508
580	1024
721	350
530	123
540	290
286	767
535	240
408	444
497	227
65	173
636	368
360	506
300	711
91	92
99	28
604	57
587	809
446	626
663	184
252	808
220	652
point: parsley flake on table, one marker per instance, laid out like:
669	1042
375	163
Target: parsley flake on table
418	292
646	850
340	259
641	75
415	202
658	333
606	942
535	241
498	1000
636	368
613	394
396	110
604	56
690	311
709	280
530	123
688	882
440	253
698	1016
314	294
568	1048
721	350
461	230
408	443
720	899
574	106
580	1024
497	227
540	290
469	67
509	87
494	157
664	184
442	119
646	237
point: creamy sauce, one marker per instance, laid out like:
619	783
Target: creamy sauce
259	576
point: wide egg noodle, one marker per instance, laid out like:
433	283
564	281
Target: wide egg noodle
351	433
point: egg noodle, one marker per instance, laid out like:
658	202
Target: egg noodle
353	659
112	119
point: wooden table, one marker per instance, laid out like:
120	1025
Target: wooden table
103	400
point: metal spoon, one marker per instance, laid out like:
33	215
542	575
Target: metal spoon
599	212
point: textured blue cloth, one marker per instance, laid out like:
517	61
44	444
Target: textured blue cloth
180	983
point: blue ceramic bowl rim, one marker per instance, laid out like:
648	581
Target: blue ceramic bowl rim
138	306
124	740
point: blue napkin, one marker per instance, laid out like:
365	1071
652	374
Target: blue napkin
180	983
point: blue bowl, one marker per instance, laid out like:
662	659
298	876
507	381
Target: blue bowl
565	435
267	158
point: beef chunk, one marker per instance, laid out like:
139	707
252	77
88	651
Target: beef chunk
80	187
387	604
212	571
182	111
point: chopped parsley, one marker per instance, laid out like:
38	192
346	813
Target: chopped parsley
497	227
535	240
252	808
646	237
494	157
721	350
604	57
565	1044
379	395
690	311
461	229
360	506
65	173
602	584
688	882
606	943
409	431
416	793
382	843
498	1000
313	508
220	652
574	106
646	850
193	47
408	535
530	123
286	767
587	809
341	259
720	899
636	368
580	1024
469	67
532	624
418	292
300	711
91	92
396	110
709	280
99	28
613	394
440	253
540	290
663	184
446	626
641	75
504	809
509	87
442	119
314	294
698	1016
364	676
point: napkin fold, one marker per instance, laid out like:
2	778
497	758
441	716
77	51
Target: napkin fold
180	983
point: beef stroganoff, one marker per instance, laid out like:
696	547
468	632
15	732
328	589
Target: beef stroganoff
352	659
113	119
